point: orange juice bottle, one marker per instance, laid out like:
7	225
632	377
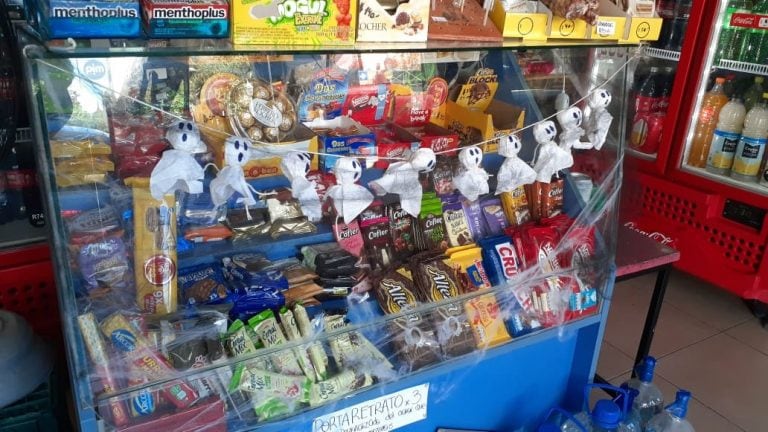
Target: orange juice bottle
706	124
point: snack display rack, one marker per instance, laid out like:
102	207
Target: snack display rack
549	352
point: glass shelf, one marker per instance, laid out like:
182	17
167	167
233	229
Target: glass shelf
89	48
750	187
662	53
739	66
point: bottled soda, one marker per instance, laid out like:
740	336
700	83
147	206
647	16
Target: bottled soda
729	125
754	49
649	400
754	94
673	417
673	28
751	147
648	113
705	126
731	38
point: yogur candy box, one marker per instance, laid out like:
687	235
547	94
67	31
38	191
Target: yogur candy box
303	22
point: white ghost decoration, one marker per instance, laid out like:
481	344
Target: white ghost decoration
349	198
472	179
295	166
231	179
514	172
551	157
600	119
402	178
184	135
570	136
177	169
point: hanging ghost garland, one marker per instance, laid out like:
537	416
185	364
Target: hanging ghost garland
177	169
599	120
295	166
514	172
349	198
185	135
402	178
231	179
551	158
471	179
570	136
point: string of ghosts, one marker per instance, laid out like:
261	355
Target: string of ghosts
178	170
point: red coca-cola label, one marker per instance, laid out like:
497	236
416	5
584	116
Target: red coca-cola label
647	104
646	132
749	21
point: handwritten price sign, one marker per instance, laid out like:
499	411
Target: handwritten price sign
382	414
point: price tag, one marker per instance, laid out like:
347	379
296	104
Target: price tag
606	28
382	414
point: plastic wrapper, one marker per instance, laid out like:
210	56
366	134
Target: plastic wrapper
259	315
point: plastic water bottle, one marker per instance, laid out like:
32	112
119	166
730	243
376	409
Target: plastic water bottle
631	418
605	417
673	417
730	123
649	400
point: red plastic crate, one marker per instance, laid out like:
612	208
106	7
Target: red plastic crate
27	288
718	250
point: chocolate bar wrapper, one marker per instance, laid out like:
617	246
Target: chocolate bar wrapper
153	365
469	263
317	354
338	386
353	349
516	206
412	337
98	355
474	214
487	324
292	390
238	342
436	281
154	252
291	329
456	225
432	235
401	228
265	327
374	225
552	198
493	213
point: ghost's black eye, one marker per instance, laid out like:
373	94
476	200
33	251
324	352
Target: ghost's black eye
189	126
355	166
306	167
431	164
239	157
237	145
301	156
245	146
308	156
575	115
357	176
183	137
181	126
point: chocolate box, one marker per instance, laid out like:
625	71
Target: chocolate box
303	22
382	20
361	143
473	126
185	18
392	141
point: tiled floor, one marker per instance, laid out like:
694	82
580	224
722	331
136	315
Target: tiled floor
706	341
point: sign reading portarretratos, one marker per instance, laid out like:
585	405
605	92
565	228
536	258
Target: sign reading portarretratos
382	414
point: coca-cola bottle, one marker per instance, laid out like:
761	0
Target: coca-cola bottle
667	79
648	119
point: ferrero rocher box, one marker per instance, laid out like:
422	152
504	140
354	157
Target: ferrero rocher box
393	21
302	22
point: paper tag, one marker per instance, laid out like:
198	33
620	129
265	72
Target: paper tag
606	28
439	19
382	414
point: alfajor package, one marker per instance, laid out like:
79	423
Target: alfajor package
186	18
61	19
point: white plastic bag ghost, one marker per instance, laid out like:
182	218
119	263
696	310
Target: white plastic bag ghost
514	172
551	158
600	119
349	198
402	178
184	135
471	179
177	169
570	136
295	166
231	179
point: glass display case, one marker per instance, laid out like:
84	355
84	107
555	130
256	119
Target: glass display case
325	239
